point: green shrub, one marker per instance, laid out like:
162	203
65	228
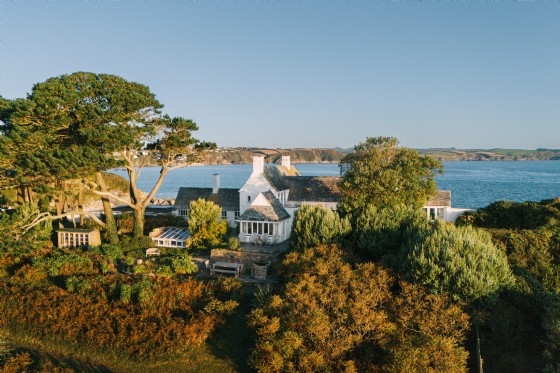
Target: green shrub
233	243
205	225
314	225
460	261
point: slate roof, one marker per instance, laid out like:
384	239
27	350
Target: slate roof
226	198
275	212
313	188
442	198
275	178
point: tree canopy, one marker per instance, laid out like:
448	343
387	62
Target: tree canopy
205	226
314	225
381	173
330	316
74	126
460	261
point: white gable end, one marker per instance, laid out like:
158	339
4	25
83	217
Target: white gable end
261	200
256	184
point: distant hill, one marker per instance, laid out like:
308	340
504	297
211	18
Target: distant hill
334	155
297	155
498	154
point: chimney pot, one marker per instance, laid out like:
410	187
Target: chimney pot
286	161
215	183
258	164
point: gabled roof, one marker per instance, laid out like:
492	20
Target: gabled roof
292	171
226	198
275	178
442	198
313	188
274	212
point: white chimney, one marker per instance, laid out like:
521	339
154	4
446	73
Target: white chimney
215	183
258	164
286	161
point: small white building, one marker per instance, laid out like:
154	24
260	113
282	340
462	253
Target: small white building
170	237
76	237
439	207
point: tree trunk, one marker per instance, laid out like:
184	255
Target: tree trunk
29	194
81	206
111	225
20	194
60	204
138	230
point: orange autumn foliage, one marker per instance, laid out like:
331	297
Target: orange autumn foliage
177	315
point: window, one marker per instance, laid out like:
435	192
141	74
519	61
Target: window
248	198
224	214
184	213
432	214
237	214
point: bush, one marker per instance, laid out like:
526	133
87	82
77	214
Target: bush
63	263
233	244
75	285
136	246
378	233
330	316
315	225
462	261
120	316
205	225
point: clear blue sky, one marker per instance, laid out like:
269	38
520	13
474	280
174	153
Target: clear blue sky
311	74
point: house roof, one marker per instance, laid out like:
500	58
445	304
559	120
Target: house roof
174	233
274	212
76	230
275	178
226	198
442	198
292	171
313	188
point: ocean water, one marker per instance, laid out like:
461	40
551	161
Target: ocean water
472	184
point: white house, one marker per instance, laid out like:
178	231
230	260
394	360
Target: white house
264	207
271	195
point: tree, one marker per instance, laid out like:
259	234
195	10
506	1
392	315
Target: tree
460	261
329	316
205	226
380	232
381	173
74	126
314	225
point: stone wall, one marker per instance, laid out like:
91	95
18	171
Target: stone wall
245	258
259	272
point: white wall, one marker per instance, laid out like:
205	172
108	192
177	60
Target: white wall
453	213
257	183
230	218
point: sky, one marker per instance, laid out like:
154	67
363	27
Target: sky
310	73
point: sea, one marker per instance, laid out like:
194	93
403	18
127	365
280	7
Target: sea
473	184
